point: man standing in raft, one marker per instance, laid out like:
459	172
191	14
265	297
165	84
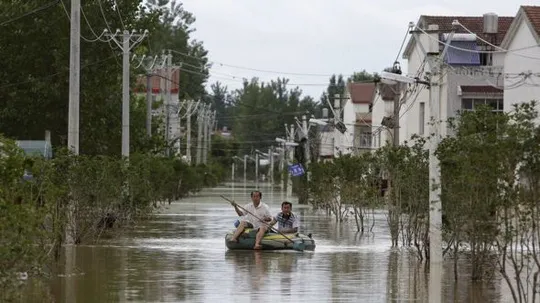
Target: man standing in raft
257	208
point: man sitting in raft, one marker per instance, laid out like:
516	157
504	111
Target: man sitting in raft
261	211
286	220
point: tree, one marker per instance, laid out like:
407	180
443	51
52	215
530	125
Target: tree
34	99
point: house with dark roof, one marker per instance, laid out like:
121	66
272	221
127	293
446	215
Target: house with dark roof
472	71
522	61
361	96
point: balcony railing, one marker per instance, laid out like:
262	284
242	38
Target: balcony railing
481	70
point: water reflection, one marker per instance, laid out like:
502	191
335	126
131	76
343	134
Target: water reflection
180	256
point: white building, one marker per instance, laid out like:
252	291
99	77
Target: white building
468	79
356	120
523	56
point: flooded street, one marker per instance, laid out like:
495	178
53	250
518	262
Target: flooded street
180	256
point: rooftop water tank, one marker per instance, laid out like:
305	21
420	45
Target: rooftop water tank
491	23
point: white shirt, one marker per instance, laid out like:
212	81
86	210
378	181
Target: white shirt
260	211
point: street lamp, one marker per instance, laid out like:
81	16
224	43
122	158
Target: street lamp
317	122
392	79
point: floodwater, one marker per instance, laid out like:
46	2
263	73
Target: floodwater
180	256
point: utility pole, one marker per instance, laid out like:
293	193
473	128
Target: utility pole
256	170
125	46
271	158
435	206
245	169
232	173
200	125
168	86
397	96
188	133
282	167
209	129
74	76
307	158
148	105
291	159
206	121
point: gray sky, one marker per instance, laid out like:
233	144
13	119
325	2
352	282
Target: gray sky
315	36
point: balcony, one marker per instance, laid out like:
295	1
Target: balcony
478	71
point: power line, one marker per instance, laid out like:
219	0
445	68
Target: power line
256	69
37	10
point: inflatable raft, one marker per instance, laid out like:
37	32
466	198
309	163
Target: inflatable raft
271	241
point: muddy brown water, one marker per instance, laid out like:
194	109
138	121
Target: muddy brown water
180	256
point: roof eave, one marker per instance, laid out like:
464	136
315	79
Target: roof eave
514	26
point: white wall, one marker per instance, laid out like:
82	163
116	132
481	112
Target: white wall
346	140
410	110
377	115
514	64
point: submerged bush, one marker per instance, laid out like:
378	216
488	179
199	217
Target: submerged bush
46	203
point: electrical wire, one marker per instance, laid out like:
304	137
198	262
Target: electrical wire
255	69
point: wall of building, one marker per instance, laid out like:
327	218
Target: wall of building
515	64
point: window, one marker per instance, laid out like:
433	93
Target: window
422	118
496	104
486	59
364	139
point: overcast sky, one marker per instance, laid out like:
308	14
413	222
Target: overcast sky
315	36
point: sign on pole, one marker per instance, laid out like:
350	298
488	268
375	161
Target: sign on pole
296	170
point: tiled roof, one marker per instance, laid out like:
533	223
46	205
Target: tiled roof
474	24
533	13
480	89
361	93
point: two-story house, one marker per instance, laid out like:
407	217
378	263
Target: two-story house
361	97
469	78
522	61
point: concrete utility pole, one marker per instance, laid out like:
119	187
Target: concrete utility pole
188	132
256	170
245	169
271	171
435	211
125	46
168	86
397	97
305	129
206	122
74	76
282	167
291	159
213	129
200	125
191	109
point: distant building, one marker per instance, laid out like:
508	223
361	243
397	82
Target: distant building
37	148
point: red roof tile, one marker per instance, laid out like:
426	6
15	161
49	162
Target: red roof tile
480	89
362	93
533	13
474	24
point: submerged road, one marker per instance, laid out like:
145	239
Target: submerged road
180	256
